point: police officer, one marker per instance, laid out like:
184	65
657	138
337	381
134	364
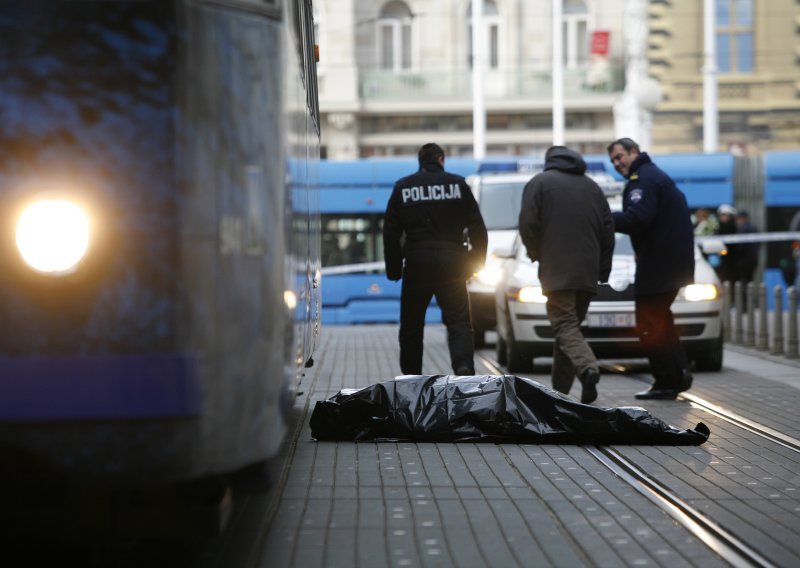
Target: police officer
423	242
656	216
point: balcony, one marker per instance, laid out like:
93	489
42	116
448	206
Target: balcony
530	85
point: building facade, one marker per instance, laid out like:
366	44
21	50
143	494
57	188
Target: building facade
758	74
395	74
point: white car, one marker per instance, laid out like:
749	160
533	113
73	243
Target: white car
524	332
499	196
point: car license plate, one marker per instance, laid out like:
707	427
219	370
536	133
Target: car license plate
611	320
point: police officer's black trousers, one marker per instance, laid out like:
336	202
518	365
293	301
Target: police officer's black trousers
426	274
660	341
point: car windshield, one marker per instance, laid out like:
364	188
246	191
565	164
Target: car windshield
500	203
622	244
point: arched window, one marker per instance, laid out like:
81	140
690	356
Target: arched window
491	37
575	33
734	36
394	36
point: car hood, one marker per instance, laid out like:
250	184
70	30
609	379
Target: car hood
623	273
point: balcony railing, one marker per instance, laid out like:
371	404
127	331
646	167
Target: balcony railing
498	85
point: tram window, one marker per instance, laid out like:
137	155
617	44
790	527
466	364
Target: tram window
348	239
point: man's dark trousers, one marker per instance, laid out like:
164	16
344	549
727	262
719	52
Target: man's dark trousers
439	273
659	337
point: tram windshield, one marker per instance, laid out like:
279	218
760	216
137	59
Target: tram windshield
351	239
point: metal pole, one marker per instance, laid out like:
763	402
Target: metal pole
558	74
750	336
726	311
777	321
738	332
762	339
791	336
478	106
710	115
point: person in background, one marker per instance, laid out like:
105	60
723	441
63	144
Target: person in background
727	270
423	243
565	223
746	253
656	216
705	223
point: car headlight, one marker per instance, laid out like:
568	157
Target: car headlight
700	292
531	295
490	275
52	236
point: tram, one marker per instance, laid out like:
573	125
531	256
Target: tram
159	233
353	198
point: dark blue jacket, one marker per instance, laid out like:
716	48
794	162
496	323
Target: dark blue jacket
656	216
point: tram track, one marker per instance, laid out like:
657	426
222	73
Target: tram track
723	542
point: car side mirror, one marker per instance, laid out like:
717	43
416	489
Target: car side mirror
713	246
503	253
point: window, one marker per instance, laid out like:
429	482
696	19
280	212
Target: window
394	37
734	36
491	34
575	33
352	239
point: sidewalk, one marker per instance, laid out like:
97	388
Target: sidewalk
407	504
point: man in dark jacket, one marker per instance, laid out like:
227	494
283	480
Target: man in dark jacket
656	216
746	253
424	243
566	225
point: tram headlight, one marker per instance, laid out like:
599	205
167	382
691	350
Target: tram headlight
52	236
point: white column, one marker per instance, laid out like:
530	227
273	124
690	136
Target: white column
710	114
558	74
478	107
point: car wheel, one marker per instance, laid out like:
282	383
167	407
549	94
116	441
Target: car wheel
518	360
500	347
479	338
710	360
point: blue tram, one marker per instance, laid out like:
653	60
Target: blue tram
353	198
159	219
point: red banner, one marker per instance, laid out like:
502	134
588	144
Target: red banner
600	43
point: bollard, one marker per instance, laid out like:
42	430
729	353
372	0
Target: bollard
762	338
726	311
791	334
777	321
738	294
750	334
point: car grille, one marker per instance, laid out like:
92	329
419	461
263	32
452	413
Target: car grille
606	293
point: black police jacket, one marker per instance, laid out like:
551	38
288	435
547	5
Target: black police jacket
656	216
429	210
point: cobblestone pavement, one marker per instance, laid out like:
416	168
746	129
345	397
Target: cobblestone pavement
465	504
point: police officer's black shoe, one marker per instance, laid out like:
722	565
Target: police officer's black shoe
589	379
658	394
464	371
